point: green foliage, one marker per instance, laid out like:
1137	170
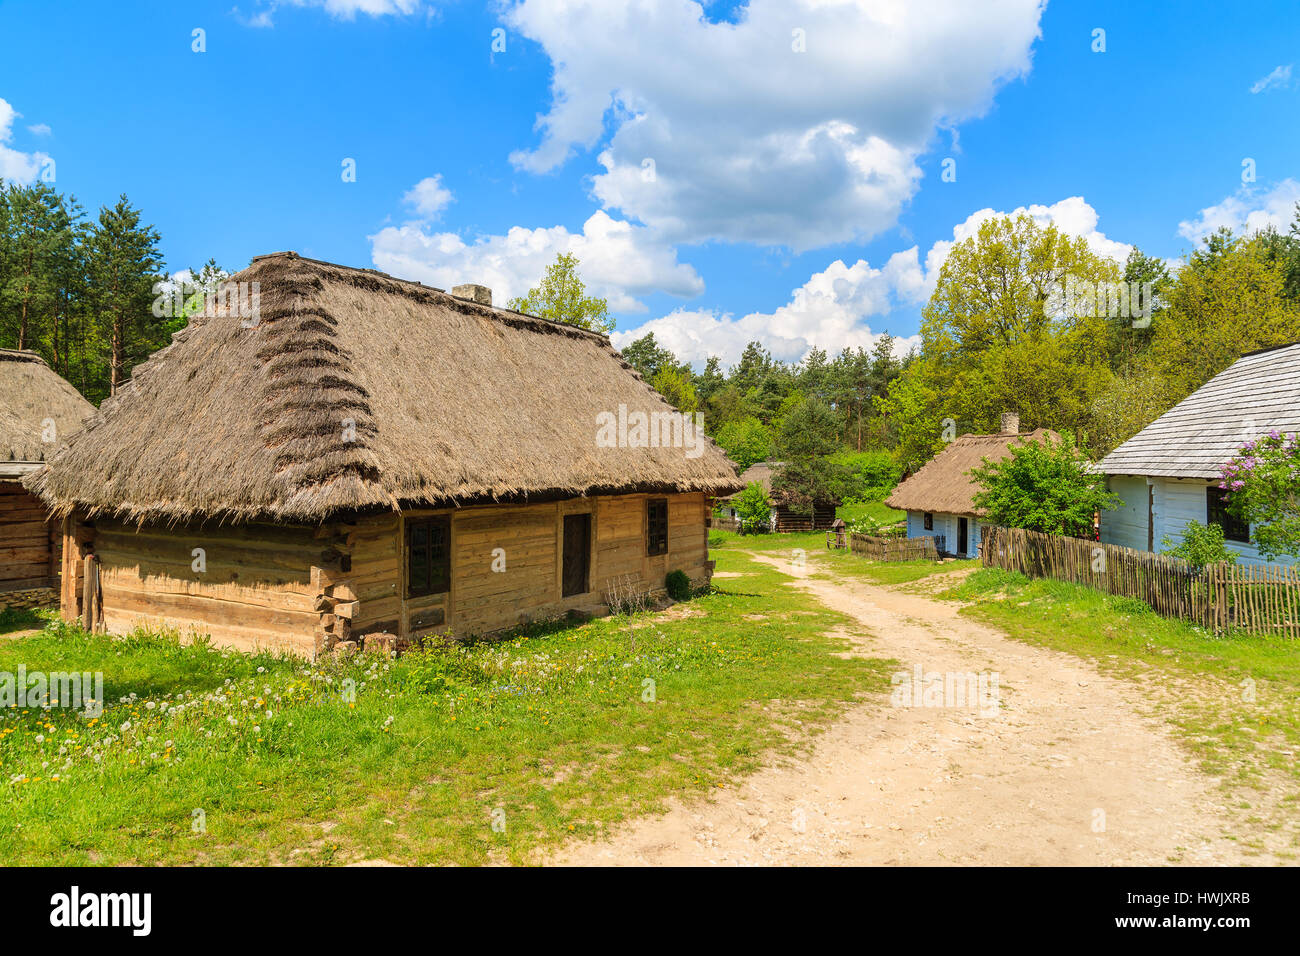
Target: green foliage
745	442
1042	486
1202	545
562	297
1263	486
676	386
678	585
752	508
809	435
867	475
79	291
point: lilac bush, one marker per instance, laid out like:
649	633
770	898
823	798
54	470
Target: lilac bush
1263	486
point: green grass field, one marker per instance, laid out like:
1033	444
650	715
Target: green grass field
458	755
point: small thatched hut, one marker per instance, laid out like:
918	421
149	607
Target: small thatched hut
364	457
785	518
940	497
38	411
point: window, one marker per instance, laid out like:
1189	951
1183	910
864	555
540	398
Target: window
929	521
428	556
656	527
1216	512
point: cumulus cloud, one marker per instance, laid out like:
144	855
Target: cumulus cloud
799	124
618	260
836	307
829	311
16	166
429	197
1279	79
339	9
1248	210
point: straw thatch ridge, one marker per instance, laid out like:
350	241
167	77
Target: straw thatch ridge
944	484
32	397
353	391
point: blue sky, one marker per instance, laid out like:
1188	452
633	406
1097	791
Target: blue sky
797	194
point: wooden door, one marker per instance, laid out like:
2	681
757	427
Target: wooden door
577	554
962	531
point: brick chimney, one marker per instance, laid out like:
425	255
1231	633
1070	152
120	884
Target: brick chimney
475	293
1011	423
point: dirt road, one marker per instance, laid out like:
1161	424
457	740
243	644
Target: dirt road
1065	770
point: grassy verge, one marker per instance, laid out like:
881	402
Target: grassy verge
876	511
460	755
1232	699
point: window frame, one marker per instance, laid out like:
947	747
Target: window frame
927	520
651	549
1216	512
437	579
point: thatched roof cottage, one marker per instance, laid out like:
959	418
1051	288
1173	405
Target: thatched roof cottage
357	455
939	497
38	410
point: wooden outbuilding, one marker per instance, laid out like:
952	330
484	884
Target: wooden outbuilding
784	517
940	497
38	411
362	458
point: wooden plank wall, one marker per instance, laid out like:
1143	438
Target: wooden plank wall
28	551
257	590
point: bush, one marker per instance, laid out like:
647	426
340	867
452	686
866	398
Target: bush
1202	544
752	508
868	475
678	585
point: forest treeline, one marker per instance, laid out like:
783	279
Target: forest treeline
1023	318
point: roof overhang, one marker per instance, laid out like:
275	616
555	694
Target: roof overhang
18	469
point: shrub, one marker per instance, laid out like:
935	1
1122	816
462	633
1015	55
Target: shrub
678	585
1043	486
752	508
1202	544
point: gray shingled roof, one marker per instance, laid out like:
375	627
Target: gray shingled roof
1260	392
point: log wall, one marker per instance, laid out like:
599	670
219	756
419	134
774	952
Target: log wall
253	589
309	588
29	542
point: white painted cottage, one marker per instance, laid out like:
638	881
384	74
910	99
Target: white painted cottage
940	497
1168	473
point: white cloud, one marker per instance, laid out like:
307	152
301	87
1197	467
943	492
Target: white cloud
826	311
40	129
750	140
1279	79
617	260
834	309
429	197
16	166
1248	210
338	9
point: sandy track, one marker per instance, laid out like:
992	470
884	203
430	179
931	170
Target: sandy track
945	785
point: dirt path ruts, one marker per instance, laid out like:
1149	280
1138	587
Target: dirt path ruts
1066	772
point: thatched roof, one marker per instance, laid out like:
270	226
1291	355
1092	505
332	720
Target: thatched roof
944	484
32	397
1258	393
354	390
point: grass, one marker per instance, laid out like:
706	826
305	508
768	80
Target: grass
877	511
1232	699
468	754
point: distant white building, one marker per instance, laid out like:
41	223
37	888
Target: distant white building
940	497
1168	473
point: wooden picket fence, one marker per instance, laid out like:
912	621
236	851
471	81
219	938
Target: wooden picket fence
896	549
1257	599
